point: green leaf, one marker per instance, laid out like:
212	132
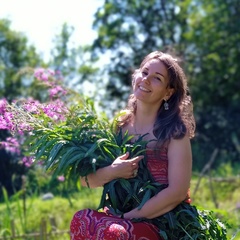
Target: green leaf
91	150
54	153
43	147
39	142
145	198
172	221
67	158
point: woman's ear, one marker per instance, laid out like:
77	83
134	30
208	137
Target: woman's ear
169	93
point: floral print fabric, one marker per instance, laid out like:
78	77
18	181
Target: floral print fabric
90	224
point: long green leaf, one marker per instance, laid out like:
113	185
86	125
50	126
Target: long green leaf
41	149
54	153
91	150
68	152
146	197
34	146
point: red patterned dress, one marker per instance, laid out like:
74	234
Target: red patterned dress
90	224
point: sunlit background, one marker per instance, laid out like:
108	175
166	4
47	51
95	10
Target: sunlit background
40	21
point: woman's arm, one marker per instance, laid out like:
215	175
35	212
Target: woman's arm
122	167
179	176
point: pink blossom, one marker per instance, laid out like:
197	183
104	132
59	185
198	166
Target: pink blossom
8	121
3	123
43	74
55	110
24	127
27	161
61	178
32	106
58	72
51	72
11	145
58	75
3	103
38	73
57	90
44	77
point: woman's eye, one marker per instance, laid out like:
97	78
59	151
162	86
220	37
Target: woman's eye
144	73
158	78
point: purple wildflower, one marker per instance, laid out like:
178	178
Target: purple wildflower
24	127
11	145
27	161
44	77
8	121
51	72
3	123
32	106
61	178
55	110
38	73
57	91
3	103
43	74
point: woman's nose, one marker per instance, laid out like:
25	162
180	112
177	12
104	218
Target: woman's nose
146	79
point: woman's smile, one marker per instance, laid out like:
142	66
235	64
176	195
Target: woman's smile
144	89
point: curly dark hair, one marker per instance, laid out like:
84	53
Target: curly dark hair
178	120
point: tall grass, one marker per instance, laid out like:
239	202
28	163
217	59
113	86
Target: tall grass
222	196
59	208
15	208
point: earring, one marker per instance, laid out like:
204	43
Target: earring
166	105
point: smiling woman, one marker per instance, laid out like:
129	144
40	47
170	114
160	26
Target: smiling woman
151	83
159	112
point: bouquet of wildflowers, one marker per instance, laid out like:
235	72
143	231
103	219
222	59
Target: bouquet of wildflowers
70	139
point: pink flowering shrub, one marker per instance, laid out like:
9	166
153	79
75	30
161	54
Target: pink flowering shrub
20	121
20	118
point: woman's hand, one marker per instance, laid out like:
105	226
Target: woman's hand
123	167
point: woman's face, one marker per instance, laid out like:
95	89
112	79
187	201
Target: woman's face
150	84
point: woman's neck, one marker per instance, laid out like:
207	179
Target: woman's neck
143	122
145	116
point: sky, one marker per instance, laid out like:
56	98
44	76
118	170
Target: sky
41	20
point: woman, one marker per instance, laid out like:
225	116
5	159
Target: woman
161	107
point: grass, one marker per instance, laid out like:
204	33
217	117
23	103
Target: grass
62	210
57	208
223	198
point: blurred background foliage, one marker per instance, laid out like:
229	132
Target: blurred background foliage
204	34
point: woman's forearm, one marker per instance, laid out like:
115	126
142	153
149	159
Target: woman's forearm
158	205
97	179
122	167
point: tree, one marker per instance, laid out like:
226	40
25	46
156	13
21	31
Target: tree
212	57
205	34
128	30
14	55
73	62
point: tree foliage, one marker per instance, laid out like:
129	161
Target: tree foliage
205	35
131	29
74	62
14	54
212	67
